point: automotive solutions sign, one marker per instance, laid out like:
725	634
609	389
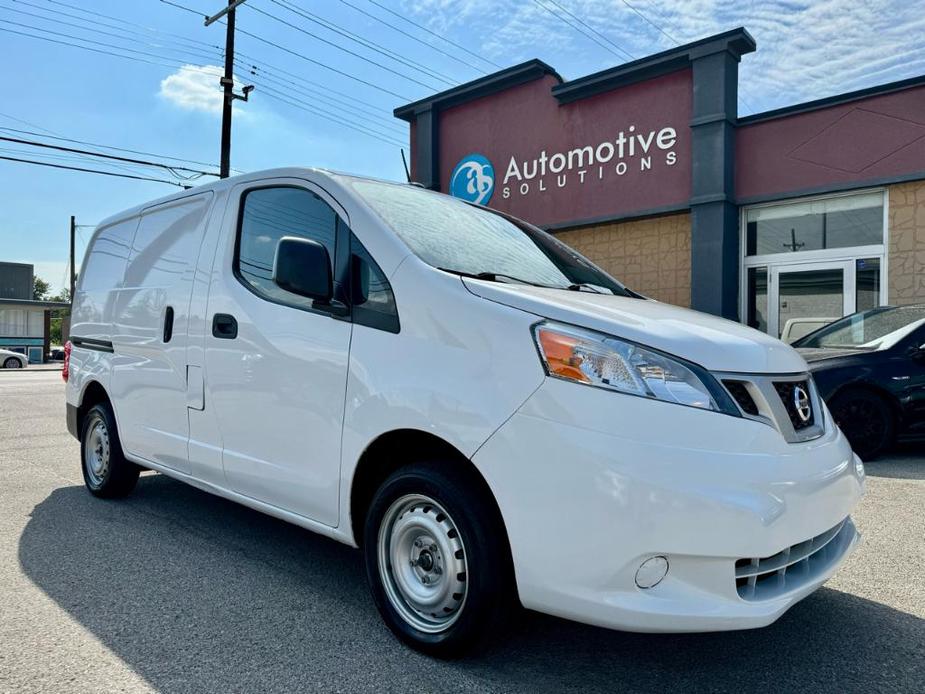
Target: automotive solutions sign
473	177
614	154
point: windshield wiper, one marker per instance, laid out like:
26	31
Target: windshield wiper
496	277
584	286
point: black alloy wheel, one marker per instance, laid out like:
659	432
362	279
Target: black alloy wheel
866	419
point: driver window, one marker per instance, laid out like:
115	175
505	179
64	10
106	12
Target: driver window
268	214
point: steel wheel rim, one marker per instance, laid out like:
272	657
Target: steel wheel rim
96	452
422	563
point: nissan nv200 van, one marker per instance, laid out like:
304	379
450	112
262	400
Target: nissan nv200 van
489	416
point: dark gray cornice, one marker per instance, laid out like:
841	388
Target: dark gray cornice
735	41
835	100
476	89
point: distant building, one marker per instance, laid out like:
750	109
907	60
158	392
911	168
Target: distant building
24	323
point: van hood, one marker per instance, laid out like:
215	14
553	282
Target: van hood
714	343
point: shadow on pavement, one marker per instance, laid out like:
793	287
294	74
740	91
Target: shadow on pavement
199	594
906	462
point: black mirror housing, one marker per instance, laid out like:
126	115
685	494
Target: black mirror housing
303	267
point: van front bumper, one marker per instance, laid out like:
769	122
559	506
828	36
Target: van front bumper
593	483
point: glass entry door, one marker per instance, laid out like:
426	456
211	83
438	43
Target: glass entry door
805	296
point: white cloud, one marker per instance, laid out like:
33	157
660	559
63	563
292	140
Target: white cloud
194	88
807	49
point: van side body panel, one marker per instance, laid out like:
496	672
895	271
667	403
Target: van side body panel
149	374
460	367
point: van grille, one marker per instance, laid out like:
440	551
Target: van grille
739	392
769	577
785	390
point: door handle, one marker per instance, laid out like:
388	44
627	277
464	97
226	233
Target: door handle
224	326
168	324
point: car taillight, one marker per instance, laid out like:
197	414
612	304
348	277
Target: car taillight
67	360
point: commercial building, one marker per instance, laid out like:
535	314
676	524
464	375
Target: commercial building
807	212
24	323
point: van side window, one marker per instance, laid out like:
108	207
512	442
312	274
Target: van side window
373	300
267	215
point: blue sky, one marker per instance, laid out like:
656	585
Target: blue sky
806	50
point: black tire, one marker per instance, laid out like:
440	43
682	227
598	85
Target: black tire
12	363
866	419
488	596
107	474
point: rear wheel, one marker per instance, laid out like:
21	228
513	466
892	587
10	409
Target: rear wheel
106	472
436	559
12	363
866	419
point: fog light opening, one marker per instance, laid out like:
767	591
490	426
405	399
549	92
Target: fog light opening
651	572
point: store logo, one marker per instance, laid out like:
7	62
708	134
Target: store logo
473	179
801	403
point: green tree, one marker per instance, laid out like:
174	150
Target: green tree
40	289
55	336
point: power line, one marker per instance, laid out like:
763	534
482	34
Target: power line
356	38
333	102
650	22
341	48
190	51
370	129
321	64
198	50
297	54
174	61
592	29
53	135
172	169
579	29
96	144
432	33
266	66
95	171
305	106
130	23
172	64
413	37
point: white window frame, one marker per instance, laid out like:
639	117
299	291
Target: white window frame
779	260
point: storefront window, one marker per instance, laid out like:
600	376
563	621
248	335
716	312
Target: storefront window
815	225
758	298
13	322
868	283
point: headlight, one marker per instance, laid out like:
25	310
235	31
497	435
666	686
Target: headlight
588	357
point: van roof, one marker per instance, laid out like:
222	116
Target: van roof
281	172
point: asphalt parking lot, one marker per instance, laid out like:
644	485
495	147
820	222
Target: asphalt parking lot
176	590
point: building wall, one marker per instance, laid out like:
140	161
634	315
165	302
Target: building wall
907	243
651	256
15	281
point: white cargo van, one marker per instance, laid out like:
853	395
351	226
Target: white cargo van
492	418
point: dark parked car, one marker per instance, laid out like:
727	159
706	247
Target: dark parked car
870	369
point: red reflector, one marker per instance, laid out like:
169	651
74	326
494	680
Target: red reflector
67	361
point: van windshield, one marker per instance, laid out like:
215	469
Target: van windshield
455	236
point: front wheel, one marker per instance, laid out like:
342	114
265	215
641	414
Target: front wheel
12	363
866	420
436	559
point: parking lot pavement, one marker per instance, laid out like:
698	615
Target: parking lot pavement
176	590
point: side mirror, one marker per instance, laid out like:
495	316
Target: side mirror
303	267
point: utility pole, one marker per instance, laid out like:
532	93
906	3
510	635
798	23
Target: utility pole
227	82
73	269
